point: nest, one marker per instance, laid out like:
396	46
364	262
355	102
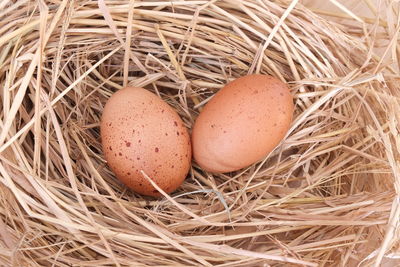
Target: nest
328	195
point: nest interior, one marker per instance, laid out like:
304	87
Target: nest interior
327	195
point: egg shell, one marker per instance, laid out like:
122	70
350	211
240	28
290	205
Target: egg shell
242	123
139	131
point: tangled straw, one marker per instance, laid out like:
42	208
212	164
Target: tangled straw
327	196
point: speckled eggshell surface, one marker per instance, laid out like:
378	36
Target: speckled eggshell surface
140	131
242	123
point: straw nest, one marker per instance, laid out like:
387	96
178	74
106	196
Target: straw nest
327	196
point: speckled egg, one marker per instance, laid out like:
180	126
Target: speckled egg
139	131
242	123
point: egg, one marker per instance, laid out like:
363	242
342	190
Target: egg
141	132
242	123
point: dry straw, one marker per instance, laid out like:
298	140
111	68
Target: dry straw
327	196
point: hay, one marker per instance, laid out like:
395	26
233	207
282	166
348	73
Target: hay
327	196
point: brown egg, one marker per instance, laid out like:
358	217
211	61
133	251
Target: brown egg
242	123
139	131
